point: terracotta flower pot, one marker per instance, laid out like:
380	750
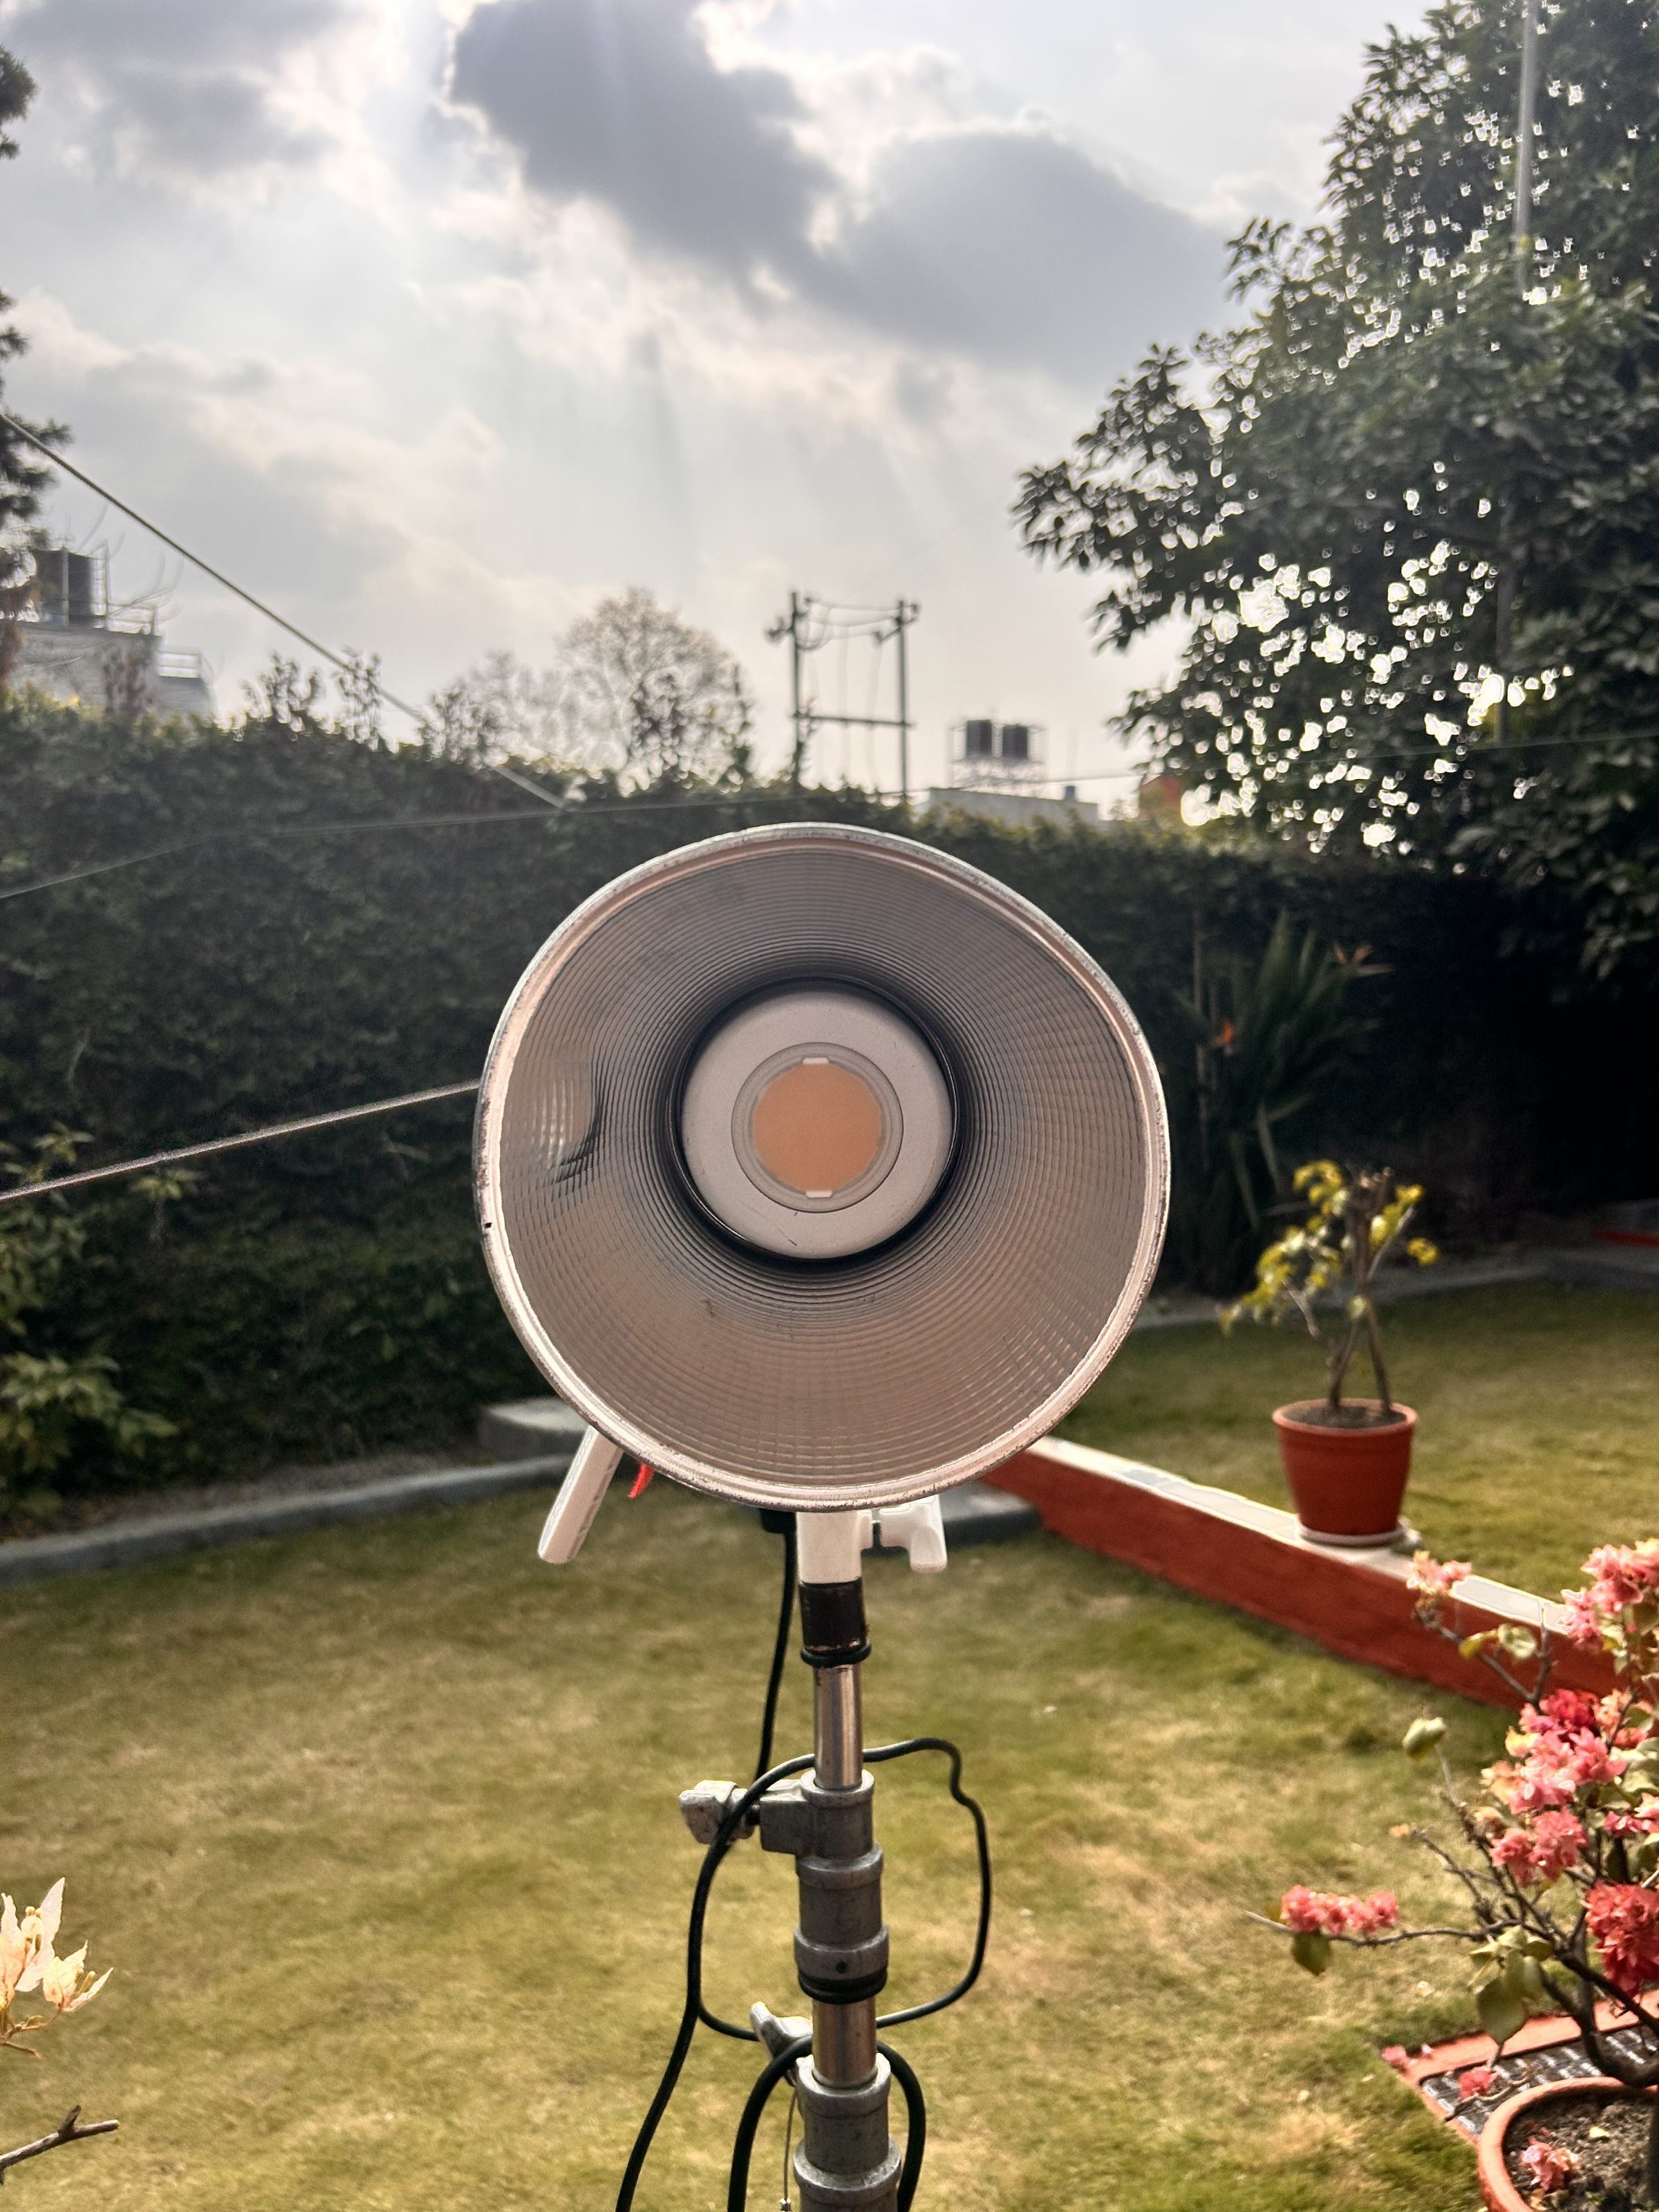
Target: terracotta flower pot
1346	1483
1499	2191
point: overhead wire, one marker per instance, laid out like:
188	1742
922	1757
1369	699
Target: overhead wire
347	667
1476	748
45	1187
576	811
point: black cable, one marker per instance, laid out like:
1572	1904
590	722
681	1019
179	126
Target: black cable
732	1823
207	568
915	2124
916	2131
737	2188
724	1836
780	1649
574	810
983	1841
981	1934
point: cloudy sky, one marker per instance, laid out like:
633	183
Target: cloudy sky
432	322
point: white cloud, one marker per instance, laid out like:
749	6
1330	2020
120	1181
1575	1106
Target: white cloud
997	240
431	384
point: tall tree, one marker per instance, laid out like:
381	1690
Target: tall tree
648	694
1419	478
20	474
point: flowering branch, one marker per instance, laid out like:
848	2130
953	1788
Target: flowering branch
68	2130
1560	1868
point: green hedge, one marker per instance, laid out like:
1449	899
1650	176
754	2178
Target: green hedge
324	1295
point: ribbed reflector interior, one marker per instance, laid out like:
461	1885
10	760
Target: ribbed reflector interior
882	1375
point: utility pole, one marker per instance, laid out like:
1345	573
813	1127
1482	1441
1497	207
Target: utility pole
880	625
789	626
903	615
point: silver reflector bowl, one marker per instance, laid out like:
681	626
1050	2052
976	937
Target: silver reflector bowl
817	1168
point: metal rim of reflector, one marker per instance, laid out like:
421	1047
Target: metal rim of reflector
864	1380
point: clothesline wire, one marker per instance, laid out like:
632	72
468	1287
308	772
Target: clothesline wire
175	1154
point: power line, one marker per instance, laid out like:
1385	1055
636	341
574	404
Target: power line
268	829
312	645
196	560
1475	751
303	829
231	1144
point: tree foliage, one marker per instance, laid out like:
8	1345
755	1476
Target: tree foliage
1421	475
634	691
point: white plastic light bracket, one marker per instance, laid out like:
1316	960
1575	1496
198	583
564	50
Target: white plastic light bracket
580	1496
918	1528
830	1545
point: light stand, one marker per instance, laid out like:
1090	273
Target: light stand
825	1821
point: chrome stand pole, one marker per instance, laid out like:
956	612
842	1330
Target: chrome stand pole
846	2158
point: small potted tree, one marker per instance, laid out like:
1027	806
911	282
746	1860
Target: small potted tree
1347	1460
1555	1878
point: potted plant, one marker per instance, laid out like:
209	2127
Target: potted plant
1556	1880
1347	1460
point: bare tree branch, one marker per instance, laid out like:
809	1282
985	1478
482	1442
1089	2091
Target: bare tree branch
68	2130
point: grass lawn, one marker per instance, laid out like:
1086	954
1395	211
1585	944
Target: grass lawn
378	1828
1539	1434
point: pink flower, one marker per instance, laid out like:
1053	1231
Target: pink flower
1592	1762
1534	1787
1625	1921
1430	1578
1575	1711
1550	2166
1643	1822
1551	1848
1583	1622
1514	1850
1476	2082
1622	1575
1373	1915
1559	1842
1303	1911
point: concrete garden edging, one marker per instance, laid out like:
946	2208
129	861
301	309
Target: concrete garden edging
125	1543
1241	1552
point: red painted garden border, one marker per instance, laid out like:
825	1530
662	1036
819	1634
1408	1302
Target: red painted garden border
1241	1552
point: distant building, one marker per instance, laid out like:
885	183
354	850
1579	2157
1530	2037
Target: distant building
1158	798
71	646
997	769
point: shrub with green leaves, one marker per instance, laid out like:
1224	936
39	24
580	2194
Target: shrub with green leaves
49	1400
